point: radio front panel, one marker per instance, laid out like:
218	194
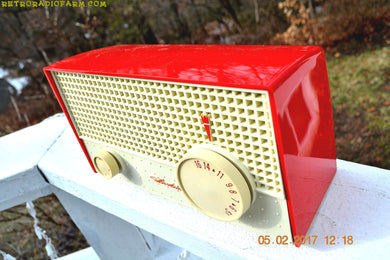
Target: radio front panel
162	120
267	215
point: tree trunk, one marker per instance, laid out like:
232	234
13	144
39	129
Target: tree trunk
229	8
144	27
182	26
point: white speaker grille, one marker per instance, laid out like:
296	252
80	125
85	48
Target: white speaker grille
162	120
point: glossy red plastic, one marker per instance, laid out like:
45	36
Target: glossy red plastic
294	76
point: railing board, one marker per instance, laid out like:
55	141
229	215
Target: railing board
357	204
20	152
84	254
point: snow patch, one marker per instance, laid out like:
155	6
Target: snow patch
50	249
7	256
19	83
3	73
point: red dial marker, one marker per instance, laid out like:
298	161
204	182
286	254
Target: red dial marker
205	120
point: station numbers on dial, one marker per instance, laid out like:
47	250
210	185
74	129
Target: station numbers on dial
214	184
231	206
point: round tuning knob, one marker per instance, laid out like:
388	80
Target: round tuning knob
216	182
106	164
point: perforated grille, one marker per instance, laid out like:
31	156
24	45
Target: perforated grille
163	120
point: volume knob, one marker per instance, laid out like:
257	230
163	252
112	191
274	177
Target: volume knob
106	164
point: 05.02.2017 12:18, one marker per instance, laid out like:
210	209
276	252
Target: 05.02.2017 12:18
308	240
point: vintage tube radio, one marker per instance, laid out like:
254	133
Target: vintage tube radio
242	133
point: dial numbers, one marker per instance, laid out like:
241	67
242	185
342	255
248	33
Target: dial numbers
214	184
214	191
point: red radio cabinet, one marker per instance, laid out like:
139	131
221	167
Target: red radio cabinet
242	133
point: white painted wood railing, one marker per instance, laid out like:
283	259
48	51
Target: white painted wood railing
123	222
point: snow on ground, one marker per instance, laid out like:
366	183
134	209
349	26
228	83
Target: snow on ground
19	83
3	73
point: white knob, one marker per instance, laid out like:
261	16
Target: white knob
106	164
216	183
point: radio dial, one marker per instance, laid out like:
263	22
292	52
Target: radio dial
216	182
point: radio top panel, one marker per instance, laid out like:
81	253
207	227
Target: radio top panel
251	67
